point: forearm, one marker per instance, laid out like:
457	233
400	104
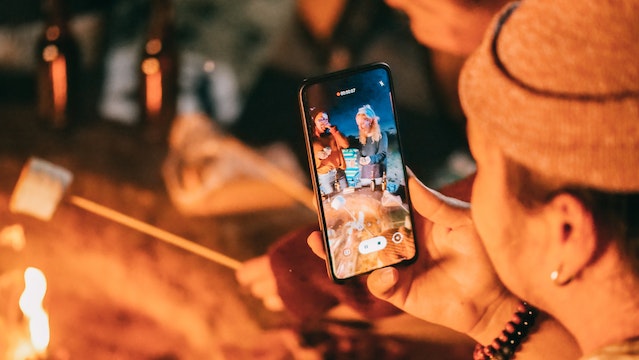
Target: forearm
340	139
378	157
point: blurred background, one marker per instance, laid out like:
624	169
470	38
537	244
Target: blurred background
111	37
184	115
240	63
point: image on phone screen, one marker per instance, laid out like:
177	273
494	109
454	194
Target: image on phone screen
357	170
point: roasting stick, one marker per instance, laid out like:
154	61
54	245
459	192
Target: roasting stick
271	173
42	185
276	176
151	230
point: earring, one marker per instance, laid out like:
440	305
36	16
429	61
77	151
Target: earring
554	277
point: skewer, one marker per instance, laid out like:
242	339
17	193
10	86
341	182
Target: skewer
151	230
273	174
196	135
42	185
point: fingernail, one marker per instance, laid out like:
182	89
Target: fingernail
387	276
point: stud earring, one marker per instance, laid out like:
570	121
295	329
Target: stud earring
554	277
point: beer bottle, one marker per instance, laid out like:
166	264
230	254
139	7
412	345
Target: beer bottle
372	180
58	67
158	69
384	181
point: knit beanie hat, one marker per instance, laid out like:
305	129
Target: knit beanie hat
556	85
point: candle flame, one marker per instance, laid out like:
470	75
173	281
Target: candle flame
31	305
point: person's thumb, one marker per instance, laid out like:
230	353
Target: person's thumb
381	283
316	243
436	207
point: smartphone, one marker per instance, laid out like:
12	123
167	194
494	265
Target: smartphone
357	169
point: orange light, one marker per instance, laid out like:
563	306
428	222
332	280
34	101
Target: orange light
52	32
153	46
31	305
59	80
50	53
150	66
153	82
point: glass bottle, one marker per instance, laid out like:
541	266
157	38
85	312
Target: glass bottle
58	66
384	181
158	69
372	180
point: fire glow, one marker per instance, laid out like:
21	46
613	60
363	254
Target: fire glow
38	319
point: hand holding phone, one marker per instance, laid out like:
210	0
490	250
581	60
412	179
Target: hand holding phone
364	208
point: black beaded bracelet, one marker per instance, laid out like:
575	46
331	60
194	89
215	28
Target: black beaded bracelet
505	345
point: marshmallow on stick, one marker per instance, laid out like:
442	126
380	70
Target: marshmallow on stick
42	186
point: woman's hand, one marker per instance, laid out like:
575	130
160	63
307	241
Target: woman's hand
452	282
365	160
257	276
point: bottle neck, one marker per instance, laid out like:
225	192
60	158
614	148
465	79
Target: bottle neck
160	29
161	20
55	12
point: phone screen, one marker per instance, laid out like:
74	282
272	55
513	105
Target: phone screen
357	170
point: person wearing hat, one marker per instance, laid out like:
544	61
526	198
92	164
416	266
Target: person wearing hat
373	144
552	105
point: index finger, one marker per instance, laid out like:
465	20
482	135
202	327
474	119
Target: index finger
252	269
316	243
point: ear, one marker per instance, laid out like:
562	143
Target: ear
573	234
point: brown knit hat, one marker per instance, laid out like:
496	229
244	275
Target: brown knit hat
556	85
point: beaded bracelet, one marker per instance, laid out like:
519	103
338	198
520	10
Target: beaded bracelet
505	345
